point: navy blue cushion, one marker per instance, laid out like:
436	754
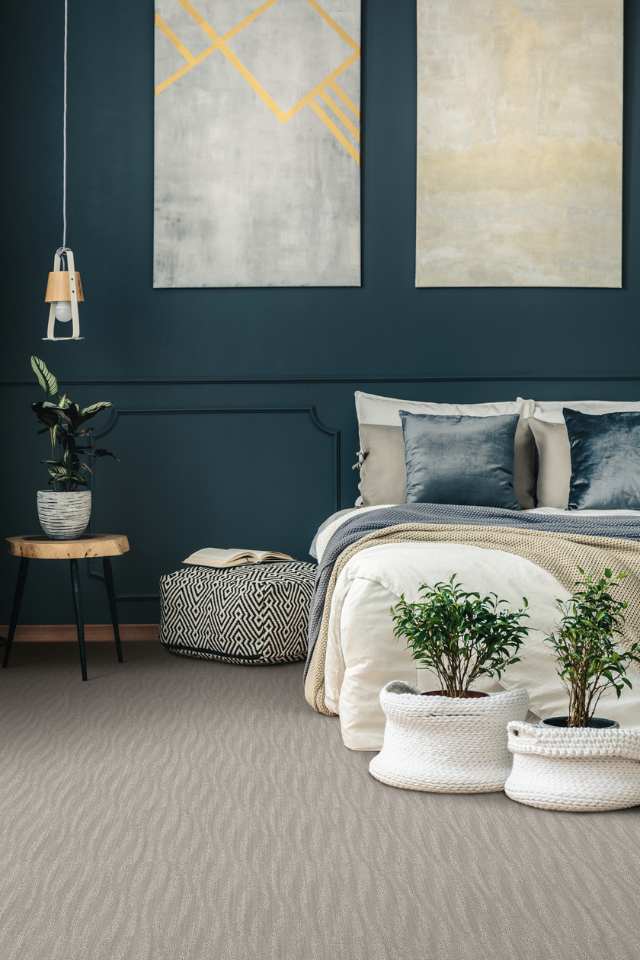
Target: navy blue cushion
464	460
605	460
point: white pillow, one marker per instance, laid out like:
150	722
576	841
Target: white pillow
551	410
385	411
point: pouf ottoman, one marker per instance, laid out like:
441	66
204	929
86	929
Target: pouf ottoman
252	614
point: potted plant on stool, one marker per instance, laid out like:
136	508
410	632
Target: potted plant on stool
580	761
64	511
452	740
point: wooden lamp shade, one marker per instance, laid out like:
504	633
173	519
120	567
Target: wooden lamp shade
58	287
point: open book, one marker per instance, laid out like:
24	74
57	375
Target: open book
212	557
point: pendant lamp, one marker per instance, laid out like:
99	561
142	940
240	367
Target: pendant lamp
64	288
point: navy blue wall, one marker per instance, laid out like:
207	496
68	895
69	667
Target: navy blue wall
237	423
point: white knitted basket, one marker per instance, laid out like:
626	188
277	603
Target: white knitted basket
446	744
580	769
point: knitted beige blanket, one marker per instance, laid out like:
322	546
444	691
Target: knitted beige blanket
559	553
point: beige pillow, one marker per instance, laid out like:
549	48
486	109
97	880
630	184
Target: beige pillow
554	463
382	474
383	477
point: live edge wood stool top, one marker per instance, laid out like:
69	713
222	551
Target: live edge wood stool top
41	548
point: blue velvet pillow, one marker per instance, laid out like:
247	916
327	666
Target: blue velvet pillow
463	460
605	460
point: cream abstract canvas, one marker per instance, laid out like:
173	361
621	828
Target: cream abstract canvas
257	143
519	173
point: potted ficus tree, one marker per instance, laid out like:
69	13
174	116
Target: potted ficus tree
581	761
64	510
452	739
589	658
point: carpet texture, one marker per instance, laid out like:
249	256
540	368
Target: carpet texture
172	809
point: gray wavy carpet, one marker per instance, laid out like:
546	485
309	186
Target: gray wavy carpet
177	810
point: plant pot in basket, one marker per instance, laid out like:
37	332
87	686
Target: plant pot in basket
453	740
582	762
578	769
446	744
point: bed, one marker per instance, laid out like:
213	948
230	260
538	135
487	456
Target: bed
360	652
563	493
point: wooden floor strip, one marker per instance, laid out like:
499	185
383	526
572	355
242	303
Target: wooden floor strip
94	632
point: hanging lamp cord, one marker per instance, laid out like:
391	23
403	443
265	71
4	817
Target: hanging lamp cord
64	129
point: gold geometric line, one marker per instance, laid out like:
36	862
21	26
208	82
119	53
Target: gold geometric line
334	26
338	134
220	43
346	99
199	19
253	82
344	119
162	86
186	68
175	40
313	93
249	19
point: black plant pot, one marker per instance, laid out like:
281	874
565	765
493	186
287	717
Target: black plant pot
597	723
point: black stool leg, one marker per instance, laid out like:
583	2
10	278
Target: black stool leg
113	609
77	606
15	609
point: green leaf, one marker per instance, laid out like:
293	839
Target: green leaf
45	413
94	408
46	380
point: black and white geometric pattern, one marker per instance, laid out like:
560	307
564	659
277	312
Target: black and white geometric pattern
253	614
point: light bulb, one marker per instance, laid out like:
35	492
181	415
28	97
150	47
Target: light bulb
63	311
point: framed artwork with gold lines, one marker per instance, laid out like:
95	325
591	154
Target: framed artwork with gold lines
257	143
519	143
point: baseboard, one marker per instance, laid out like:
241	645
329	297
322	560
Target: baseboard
94	632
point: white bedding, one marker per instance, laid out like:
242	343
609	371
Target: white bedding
363	654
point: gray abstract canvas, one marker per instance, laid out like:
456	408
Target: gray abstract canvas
257	143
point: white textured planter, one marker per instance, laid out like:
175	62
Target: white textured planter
445	744
64	516
579	769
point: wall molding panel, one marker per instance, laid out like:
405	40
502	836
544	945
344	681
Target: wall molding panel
355	379
310	412
298	435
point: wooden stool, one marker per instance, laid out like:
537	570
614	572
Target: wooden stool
40	548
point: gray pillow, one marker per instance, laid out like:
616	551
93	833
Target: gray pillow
605	460
462	460
554	463
383	476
